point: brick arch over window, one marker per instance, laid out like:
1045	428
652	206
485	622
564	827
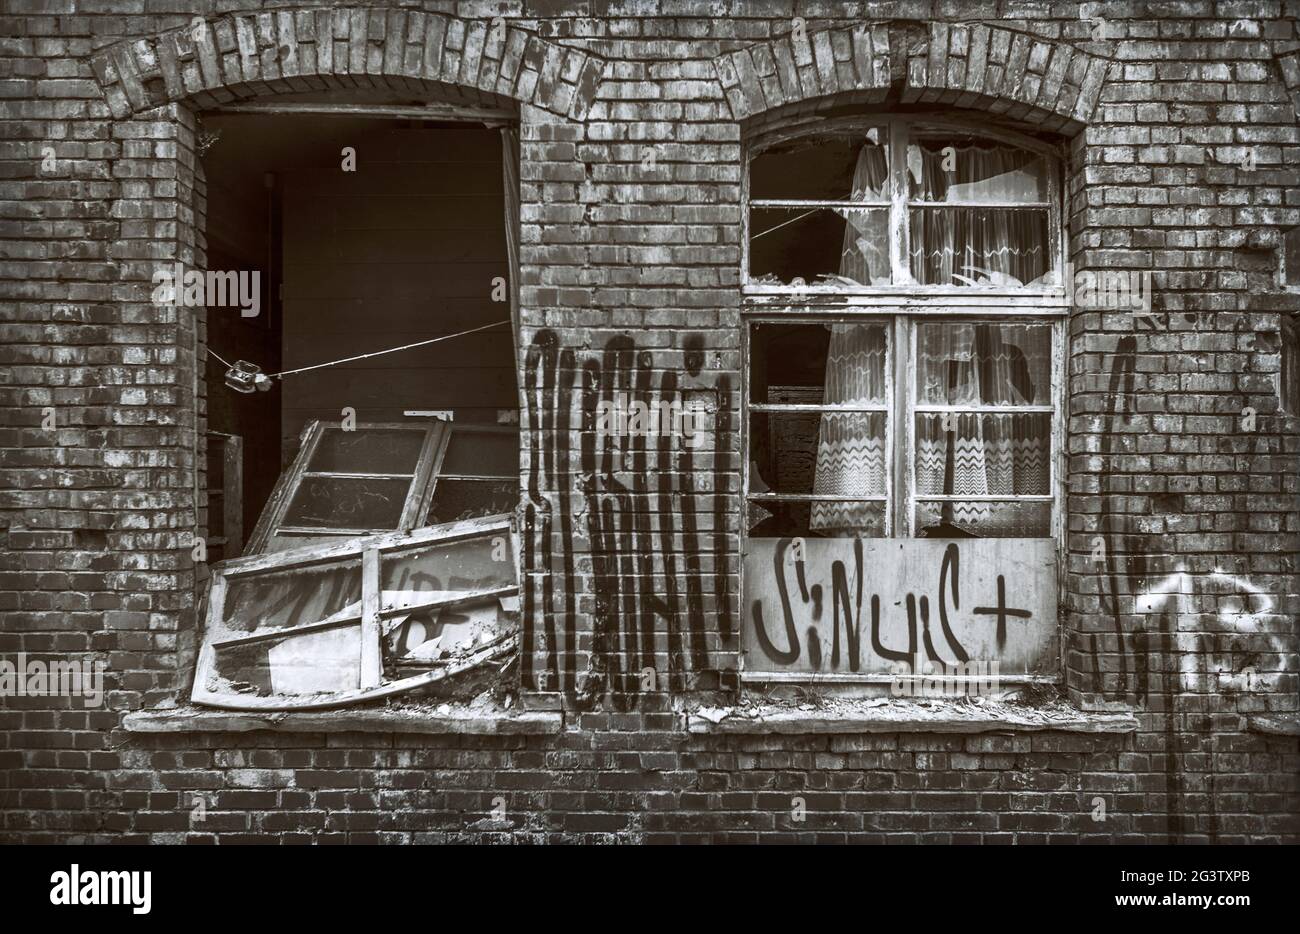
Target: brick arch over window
245	55
1048	83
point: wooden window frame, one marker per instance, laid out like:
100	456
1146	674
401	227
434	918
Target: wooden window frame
414	508
900	411
902	307
899	129
230	497
369	552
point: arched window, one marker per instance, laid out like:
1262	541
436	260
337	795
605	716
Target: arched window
901	204
904	344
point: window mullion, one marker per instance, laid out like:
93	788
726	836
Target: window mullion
900	268
901	432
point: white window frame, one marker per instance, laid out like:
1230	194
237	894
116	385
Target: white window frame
903	307
904	290
901	408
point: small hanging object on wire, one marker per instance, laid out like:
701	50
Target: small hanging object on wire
247	377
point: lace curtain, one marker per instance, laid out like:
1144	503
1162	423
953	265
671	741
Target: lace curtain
976	246
851	446
971	455
980	454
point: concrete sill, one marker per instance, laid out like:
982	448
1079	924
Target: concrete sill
904	717
1276	724
460	720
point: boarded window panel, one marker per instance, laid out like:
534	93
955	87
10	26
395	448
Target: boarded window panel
387	450
446	571
870	620
369	503
324	660
281	598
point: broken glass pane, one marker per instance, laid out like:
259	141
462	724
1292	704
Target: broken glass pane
975	519
374	450
348	503
819	246
284	597
441	632
827	453
826	167
964	169
473	453
446	570
769	519
297	663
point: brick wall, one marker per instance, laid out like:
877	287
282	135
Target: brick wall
1184	155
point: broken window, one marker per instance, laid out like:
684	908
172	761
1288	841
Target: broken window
339	623
478	476
900	203
352	481
384	236
827	421
903	438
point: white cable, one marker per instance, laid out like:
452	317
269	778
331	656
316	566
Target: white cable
432	340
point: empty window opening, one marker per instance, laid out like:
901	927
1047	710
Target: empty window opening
366	404
367	234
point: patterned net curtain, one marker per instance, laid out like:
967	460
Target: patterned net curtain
851	446
983	454
979	455
997	246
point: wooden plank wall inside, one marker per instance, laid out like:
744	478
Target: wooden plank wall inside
403	249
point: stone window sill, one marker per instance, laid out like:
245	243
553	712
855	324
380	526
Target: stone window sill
907	717
448	719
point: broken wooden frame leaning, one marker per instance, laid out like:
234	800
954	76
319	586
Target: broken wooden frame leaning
332	459
328	605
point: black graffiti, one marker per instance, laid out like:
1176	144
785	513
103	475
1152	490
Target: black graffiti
849	614
1002	612
637	511
1123	561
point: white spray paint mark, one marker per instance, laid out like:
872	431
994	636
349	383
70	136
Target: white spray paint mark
1240	608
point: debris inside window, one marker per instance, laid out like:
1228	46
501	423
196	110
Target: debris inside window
338	623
